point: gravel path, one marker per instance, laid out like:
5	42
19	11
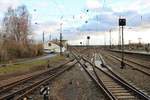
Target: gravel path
73	85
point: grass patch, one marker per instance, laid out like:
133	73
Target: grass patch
28	66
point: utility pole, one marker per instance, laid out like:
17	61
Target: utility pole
129	45
104	40
43	37
140	40
97	23
50	38
110	38
61	38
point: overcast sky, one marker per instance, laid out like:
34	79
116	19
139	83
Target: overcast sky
102	15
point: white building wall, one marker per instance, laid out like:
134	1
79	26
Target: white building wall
53	47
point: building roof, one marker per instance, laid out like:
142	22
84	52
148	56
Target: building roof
57	42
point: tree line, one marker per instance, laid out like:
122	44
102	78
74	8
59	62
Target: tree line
15	35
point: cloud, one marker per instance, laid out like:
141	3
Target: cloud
93	4
140	6
105	21
101	22
4	4
47	27
42	4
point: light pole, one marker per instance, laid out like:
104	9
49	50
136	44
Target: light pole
122	22
61	38
43	37
129	45
50	37
104	40
110	38
140	40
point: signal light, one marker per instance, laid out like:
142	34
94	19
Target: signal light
122	22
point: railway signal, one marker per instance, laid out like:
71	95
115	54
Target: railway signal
88	38
80	43
122	23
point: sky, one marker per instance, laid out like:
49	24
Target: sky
82	18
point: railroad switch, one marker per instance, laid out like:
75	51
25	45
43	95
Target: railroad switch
103	65
85	66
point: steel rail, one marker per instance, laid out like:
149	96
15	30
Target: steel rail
46	80
13	84
9	95
135	68
129	86
97	81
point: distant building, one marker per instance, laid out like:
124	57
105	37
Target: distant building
54	46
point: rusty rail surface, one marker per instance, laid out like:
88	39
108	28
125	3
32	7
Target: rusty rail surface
21	88
113	85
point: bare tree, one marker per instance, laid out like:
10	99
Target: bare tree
14	36
17	24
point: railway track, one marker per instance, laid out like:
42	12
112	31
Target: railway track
141	64
21	88
134	65
113	86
